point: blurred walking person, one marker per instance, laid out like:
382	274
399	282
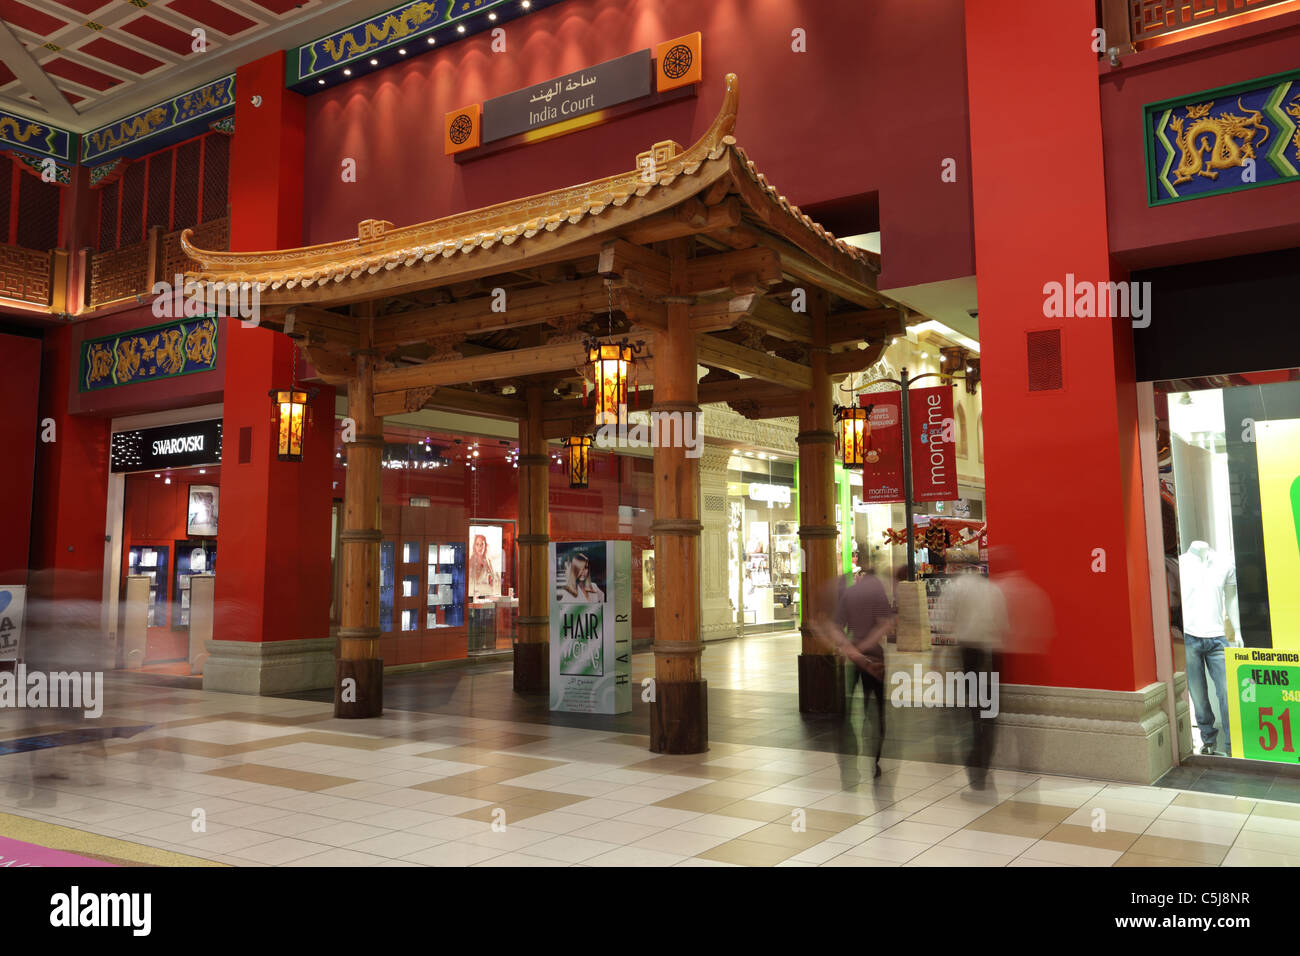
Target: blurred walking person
977	611
857	628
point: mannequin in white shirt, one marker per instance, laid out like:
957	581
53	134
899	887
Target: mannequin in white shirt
1208	583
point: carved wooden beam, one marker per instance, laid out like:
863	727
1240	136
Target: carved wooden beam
855	360
718	314
409	400
333	368
719	272
690	218
736	358
485	368
642	269
778	320
474	316
865	325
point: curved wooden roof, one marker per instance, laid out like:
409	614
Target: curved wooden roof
537	228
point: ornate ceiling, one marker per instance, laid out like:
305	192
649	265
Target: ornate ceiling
78	64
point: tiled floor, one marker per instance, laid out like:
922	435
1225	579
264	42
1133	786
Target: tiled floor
282	782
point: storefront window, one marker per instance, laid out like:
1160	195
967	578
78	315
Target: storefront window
1230	497
764	510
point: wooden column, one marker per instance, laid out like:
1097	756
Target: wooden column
532	648
359	674
679	715
821	676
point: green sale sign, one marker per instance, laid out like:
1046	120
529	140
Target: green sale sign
1264	705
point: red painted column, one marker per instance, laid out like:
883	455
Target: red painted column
68	508
273	580
1061	466
20	370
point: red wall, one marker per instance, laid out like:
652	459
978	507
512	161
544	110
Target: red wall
71	500
830	123
1061	466
1252	220
20	371
275	567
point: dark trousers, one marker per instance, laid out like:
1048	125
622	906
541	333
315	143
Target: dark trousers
979	660
870	686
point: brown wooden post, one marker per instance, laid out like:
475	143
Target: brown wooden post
359	673
821	675
679	714
532	649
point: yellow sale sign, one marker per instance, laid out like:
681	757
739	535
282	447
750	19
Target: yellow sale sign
1278	451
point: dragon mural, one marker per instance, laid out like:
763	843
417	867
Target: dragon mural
110	137
11	129
200	344
1293	110
394	27
1217	135
128	359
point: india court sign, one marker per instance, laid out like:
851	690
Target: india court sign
575	94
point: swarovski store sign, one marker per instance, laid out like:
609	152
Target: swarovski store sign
167	446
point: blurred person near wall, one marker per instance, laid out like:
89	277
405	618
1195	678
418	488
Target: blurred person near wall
977	612
857	629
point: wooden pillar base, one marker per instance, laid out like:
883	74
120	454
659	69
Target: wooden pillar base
369	677
821	684
679	717
532	668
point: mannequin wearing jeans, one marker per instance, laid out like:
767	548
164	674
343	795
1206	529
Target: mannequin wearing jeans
1209	593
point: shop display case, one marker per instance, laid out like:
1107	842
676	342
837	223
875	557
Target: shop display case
198	556
152	562
445	585
387	578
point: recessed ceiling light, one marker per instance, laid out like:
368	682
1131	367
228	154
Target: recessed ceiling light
374	62
526	4
430	41
347	72
492	17
461	28
401	51
321	82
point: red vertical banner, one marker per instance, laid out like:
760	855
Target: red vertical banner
934	445
882	473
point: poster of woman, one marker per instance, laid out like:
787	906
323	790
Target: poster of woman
580	573
486	561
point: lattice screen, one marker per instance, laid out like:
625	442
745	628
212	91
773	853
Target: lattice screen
160	190
108	216
7	171
38	213
216	176
131	229
185	211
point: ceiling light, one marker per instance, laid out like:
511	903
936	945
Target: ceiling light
374	62
526	4
492	17
347	72
402	51
430	41
321	82
461	28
